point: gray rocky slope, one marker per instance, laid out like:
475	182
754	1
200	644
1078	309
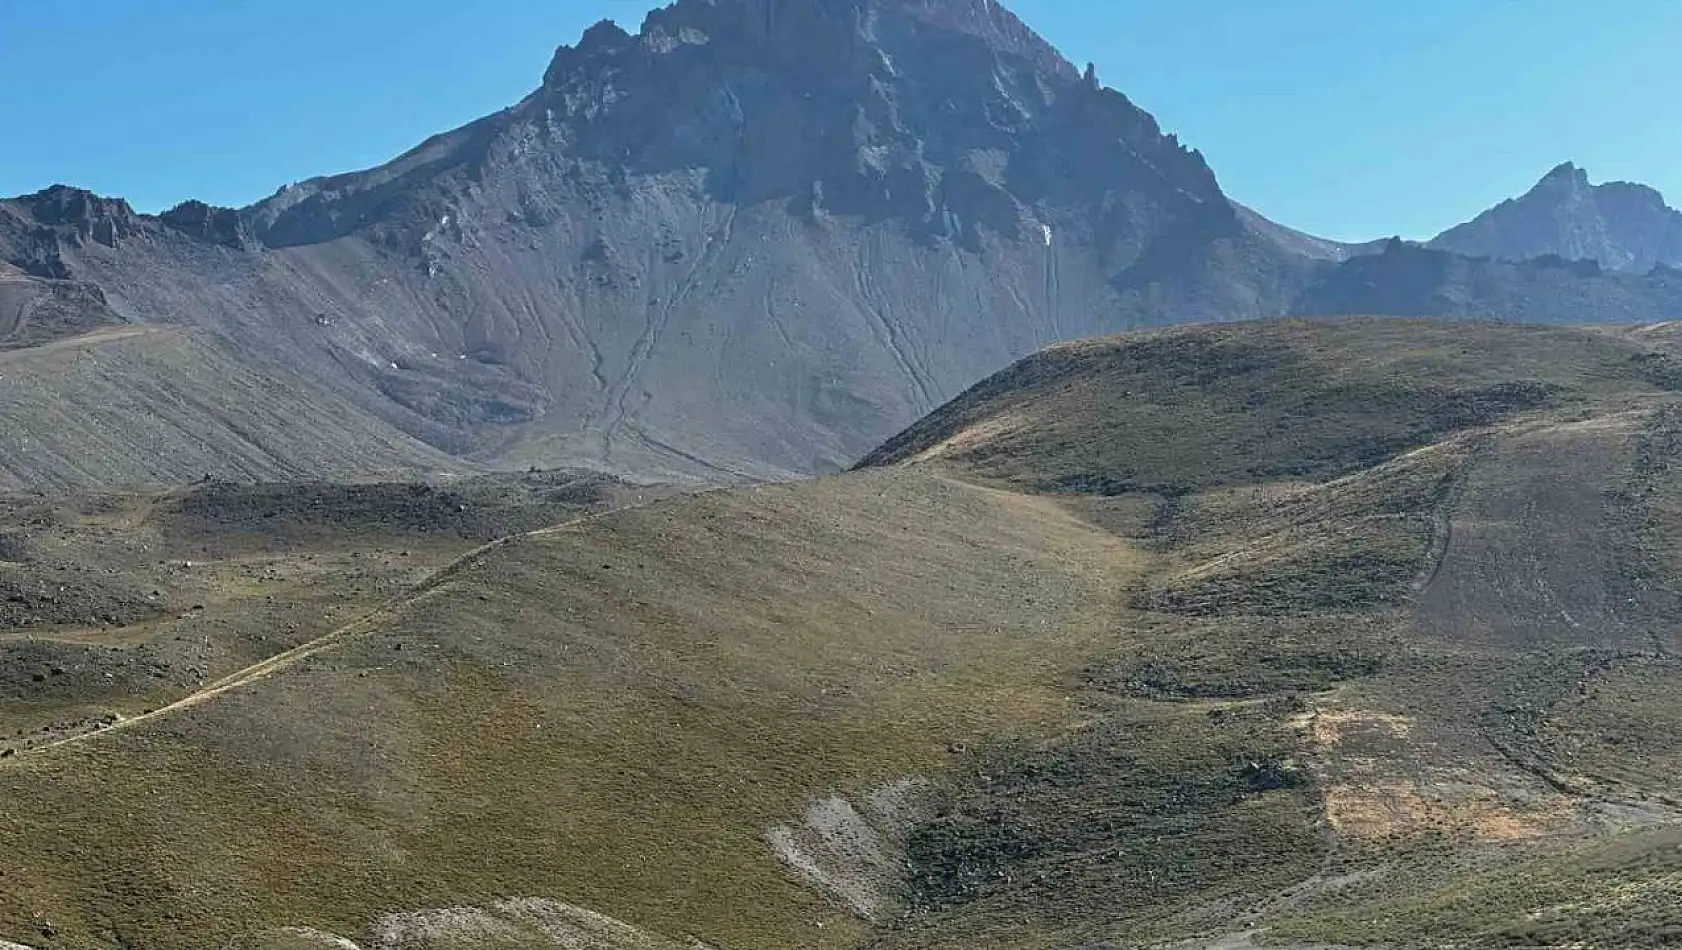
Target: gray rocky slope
1621	225
755	238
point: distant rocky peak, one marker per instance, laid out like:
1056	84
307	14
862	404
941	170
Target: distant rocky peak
1566	174
207	222
1569	179
80	215
815	33
1621	225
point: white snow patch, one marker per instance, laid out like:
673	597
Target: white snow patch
431	235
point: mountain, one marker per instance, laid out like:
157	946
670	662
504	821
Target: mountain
1293	633
753	238
1622	225
1301	243
89	398
1408	280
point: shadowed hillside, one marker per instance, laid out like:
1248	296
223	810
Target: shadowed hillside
135	404
1347	633
34	311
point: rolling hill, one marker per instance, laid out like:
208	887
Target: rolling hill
1353	632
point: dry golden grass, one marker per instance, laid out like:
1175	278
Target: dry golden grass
611	714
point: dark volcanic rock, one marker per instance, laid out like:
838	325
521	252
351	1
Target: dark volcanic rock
35	310
206	222
78	215
36	230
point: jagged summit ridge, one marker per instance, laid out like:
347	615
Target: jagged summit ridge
1567	172
788	23
947	113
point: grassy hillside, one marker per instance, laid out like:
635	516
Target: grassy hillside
1182	409
1297	634
616	712
113	604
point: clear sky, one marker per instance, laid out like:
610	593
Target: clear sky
1347	118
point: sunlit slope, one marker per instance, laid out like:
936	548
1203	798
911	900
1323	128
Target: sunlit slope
115	603
1184	408
1442	557
614	713
1356	633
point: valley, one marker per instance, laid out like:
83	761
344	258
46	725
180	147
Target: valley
834	474
1213	686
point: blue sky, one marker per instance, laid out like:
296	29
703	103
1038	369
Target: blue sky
1346	118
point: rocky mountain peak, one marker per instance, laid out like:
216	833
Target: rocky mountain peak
80	215
949	114
1621	225
752	236
990	22
36	230
207	222
1566	174
792	27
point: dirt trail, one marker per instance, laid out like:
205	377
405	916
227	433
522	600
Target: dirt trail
289	658
280	662
1043	507
96	338
1442	515
1531	558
